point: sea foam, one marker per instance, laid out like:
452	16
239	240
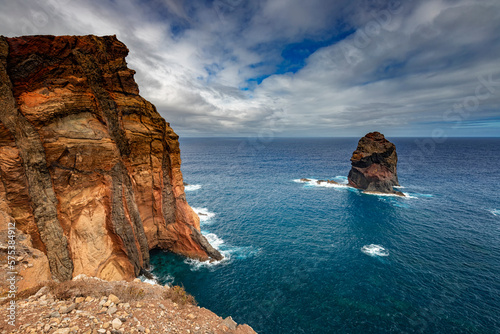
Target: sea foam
495	212
374	250
342	182
205	215
192	187
406	195
229	252
152	281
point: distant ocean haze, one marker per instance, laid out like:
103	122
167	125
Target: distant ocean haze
302	257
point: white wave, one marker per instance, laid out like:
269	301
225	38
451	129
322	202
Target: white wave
417	195
192	187
213	239
374	250
229	252
399	187
152	281
169	279
322	183
205	215
343	184
424	195
341	179
406	195
495	212
330	185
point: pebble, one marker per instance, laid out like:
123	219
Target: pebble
112	310
62	331
116	323
114	299
55	315
230	323
67	309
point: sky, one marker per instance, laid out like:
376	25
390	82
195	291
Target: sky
273	68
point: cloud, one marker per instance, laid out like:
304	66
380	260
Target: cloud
218	68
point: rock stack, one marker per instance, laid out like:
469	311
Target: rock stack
374	165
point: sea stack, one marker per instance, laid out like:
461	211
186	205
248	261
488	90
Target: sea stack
374	165
89	170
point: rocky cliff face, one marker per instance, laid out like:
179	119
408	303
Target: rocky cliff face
374	165
89	169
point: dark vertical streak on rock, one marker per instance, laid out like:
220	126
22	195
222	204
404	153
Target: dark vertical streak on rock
167	198
105	103
151	164
42	194
121	225
136	220
119	173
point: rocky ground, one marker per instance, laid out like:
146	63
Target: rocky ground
93	306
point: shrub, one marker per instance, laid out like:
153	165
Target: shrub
178	295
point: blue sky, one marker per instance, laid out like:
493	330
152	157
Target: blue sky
271	68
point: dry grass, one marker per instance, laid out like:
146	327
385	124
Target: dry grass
127	292
20	295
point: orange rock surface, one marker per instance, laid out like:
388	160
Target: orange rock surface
89	169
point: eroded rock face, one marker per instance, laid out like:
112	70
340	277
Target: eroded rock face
31	265
374	165
89	169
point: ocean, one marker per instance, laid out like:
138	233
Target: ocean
303	258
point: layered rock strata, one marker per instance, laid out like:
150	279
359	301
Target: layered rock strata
88	168
374	165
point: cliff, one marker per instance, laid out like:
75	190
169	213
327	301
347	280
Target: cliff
374	165
89	170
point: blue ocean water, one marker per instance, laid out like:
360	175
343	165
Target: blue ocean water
308	259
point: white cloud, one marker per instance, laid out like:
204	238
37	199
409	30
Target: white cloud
400	70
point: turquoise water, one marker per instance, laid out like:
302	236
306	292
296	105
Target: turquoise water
307	259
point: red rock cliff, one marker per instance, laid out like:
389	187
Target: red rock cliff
89	169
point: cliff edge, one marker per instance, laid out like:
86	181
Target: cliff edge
374	165
89	170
